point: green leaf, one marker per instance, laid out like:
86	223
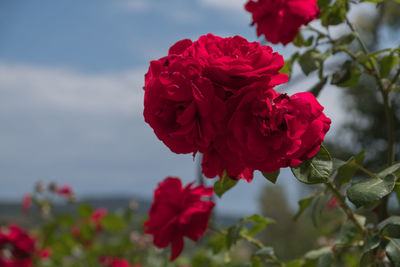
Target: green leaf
300	42
287	68
393	251
233	234
387	63
272	176
85	210
113	223
295	263
393	170
348	233
316	89
348	170
333	15
317	253
311	61
65	220
217	243
348	75
259	223
315	170
256	261
322	4
372	243
266	252
345	39
325	260
390	227
304	204
87	232
224	184
370	190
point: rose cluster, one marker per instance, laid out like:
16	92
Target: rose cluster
216	96
18	248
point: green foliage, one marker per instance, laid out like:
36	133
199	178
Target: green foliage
304	204
272	177
224	184
85	210
370	190
311	61
347	171
373	189
315	170
317	88
393	251
113	223
348	75
387	63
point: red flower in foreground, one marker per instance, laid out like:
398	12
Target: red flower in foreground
280	20
232	62
271	130
180	105
177	212
19	245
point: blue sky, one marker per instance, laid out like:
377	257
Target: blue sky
71	77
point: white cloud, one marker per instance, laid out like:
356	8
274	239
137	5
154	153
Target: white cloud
68	90
232	4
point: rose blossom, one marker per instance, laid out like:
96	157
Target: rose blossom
65	191
96	218
177	212
219	158
233	62
280	20
20	246
180	105
332	203
271	130
26	203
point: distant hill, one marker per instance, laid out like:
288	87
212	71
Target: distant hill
11	212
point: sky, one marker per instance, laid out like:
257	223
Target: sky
71	98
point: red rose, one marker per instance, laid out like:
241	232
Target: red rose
233	62
219	158
65	191
332	203
180	105
280	20
19	245
96	217
45	253
177	212
272	130
26	203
